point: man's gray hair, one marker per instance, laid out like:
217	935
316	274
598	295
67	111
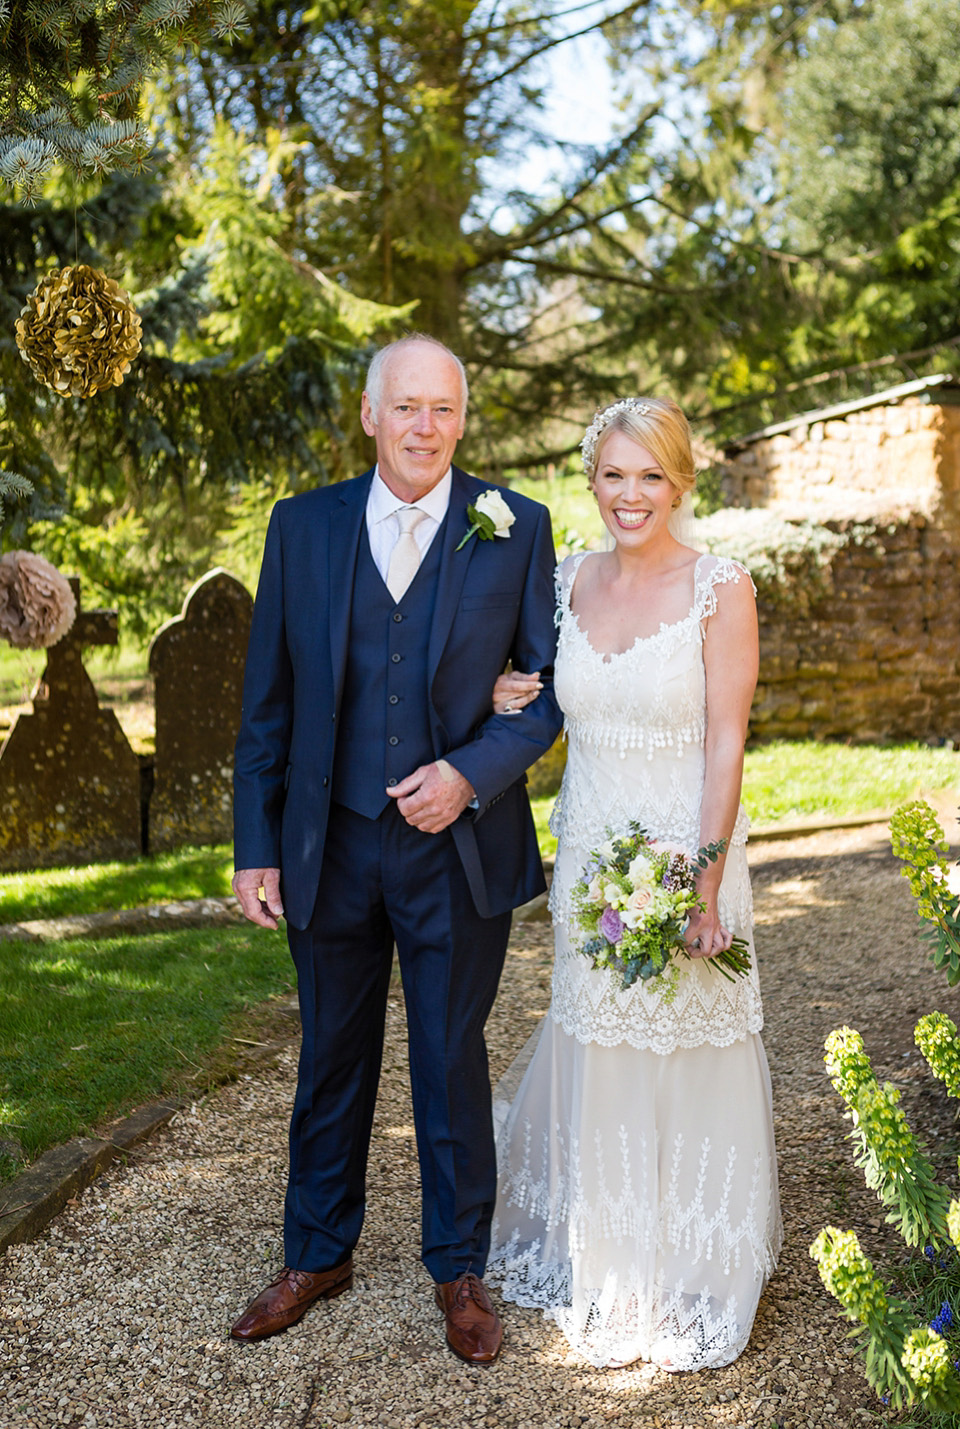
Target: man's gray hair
374	383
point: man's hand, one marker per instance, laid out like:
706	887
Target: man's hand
432	796
247	883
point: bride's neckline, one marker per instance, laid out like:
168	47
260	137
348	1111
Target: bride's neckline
607	656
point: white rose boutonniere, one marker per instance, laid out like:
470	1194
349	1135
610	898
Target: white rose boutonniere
491	516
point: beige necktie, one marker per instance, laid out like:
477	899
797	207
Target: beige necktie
405	556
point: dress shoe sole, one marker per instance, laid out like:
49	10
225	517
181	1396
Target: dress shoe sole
265	1334
467	1359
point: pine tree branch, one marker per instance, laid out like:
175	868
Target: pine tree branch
589	221
556	40
508	26
604	275
505	247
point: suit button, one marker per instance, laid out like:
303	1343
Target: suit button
325	782
394	699
396	659
391	783
393	739
397	616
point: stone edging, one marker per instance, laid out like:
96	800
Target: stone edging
800	828
190	913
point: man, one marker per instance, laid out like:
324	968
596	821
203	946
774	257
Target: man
379	800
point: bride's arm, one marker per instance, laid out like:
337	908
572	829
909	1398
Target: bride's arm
513	691
731	660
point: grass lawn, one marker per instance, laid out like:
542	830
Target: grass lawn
89	1030
804	779
161	878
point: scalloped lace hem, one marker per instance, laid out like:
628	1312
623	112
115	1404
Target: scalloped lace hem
679	1331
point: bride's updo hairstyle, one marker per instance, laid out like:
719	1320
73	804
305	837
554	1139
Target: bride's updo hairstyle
655	423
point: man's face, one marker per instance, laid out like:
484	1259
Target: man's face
419	421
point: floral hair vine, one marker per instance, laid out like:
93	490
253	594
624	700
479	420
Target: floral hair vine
588	447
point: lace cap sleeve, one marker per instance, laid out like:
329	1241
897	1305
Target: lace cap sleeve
564	576
713	571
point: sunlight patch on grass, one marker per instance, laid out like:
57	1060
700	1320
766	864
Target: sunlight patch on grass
98	887
807	780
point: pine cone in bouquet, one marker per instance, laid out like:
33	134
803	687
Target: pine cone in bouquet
79	331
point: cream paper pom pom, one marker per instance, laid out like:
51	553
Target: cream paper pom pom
37	606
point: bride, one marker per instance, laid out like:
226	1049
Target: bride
637	1198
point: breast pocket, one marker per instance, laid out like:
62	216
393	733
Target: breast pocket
492	600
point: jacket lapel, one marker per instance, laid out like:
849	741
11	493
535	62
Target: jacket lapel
453	564
344	531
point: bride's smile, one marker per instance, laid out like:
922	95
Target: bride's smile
634	494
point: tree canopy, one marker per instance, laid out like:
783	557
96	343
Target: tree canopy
772	224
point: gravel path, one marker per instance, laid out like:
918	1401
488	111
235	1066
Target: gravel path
118	1315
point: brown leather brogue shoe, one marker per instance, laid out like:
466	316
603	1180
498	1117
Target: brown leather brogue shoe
287	1298
474	1331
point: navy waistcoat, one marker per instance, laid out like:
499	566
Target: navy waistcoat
384	724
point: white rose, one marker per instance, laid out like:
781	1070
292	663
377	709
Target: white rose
639	899
492	504
612	894
635	910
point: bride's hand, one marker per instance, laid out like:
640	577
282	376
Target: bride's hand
705	935
513	691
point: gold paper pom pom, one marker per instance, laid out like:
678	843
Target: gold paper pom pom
79	331
37	606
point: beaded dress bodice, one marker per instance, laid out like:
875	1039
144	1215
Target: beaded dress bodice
636	727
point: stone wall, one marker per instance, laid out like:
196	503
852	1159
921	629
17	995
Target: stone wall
876	657
895	461
863	643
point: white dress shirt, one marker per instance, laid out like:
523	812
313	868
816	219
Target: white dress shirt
383	528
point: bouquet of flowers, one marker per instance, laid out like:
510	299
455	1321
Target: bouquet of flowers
633	901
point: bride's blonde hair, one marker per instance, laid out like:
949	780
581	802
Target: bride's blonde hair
656	423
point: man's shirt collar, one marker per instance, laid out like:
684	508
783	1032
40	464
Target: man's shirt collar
383	503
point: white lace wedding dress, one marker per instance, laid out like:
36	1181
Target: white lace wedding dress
638	1199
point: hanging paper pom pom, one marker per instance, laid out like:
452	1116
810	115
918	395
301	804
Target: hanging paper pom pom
79	331
37	606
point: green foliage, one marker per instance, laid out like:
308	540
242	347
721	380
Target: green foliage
936	1037
13	487
891	1160
917	840
245	352
904	1362
72	75
907	1363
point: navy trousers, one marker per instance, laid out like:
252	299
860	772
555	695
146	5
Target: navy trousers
382	883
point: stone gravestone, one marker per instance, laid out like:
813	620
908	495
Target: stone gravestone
69	781
197	661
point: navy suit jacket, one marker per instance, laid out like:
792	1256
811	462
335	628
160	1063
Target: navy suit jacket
494	603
